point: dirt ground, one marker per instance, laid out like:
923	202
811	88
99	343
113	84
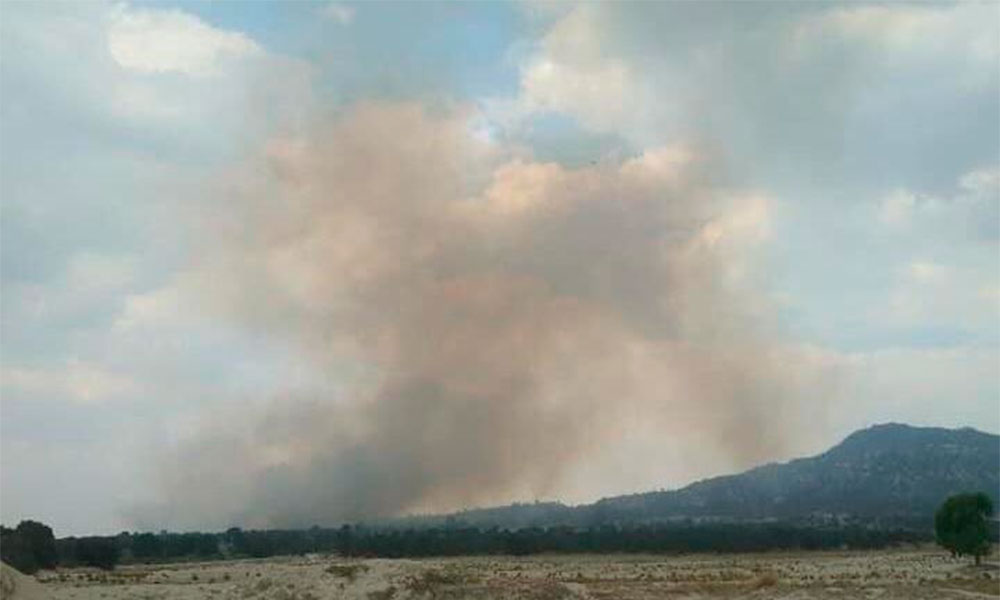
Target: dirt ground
909	574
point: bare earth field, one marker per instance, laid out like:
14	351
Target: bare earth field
910	574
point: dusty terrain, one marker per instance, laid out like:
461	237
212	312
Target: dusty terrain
926	573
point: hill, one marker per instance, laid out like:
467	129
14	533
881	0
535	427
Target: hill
879	487
890	473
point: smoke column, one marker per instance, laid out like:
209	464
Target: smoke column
491	320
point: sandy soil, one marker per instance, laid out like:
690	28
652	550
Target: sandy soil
916	574
17	585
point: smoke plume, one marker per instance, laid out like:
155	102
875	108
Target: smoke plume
489	321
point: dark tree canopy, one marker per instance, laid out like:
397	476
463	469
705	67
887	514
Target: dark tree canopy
101	552
146	546
28	547
961	524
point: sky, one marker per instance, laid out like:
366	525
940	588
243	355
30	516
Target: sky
284	264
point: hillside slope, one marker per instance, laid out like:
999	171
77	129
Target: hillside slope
885	472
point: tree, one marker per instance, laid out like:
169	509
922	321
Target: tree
15	551
146	546
101	552
961	524
41	541
29	547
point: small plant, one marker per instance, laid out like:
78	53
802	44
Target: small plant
263	585
386	594
430	580
765	580
349	572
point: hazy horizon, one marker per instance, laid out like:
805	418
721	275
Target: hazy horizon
277	264
523	501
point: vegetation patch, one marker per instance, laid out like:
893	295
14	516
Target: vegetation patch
386	594
349	572
431	580
765	580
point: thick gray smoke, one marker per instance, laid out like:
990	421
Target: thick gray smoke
490	322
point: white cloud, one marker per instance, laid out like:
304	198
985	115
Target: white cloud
77	381
945	257
338	12
163	82
88	287
653	73
898	207
154	309
748	220
600	94
164	41
924	272
955	298
982	183
576	72
92	271
912	29
951	387
970	212
660	166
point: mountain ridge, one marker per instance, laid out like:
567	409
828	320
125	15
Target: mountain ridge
886	472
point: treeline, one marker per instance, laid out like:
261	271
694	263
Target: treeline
31	546
28	547
653	539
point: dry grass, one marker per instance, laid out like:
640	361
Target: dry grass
431	581
984	584
765	580
386	594
914	573
349	572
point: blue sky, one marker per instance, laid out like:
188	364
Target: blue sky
814	183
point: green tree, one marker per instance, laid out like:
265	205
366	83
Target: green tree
961	525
